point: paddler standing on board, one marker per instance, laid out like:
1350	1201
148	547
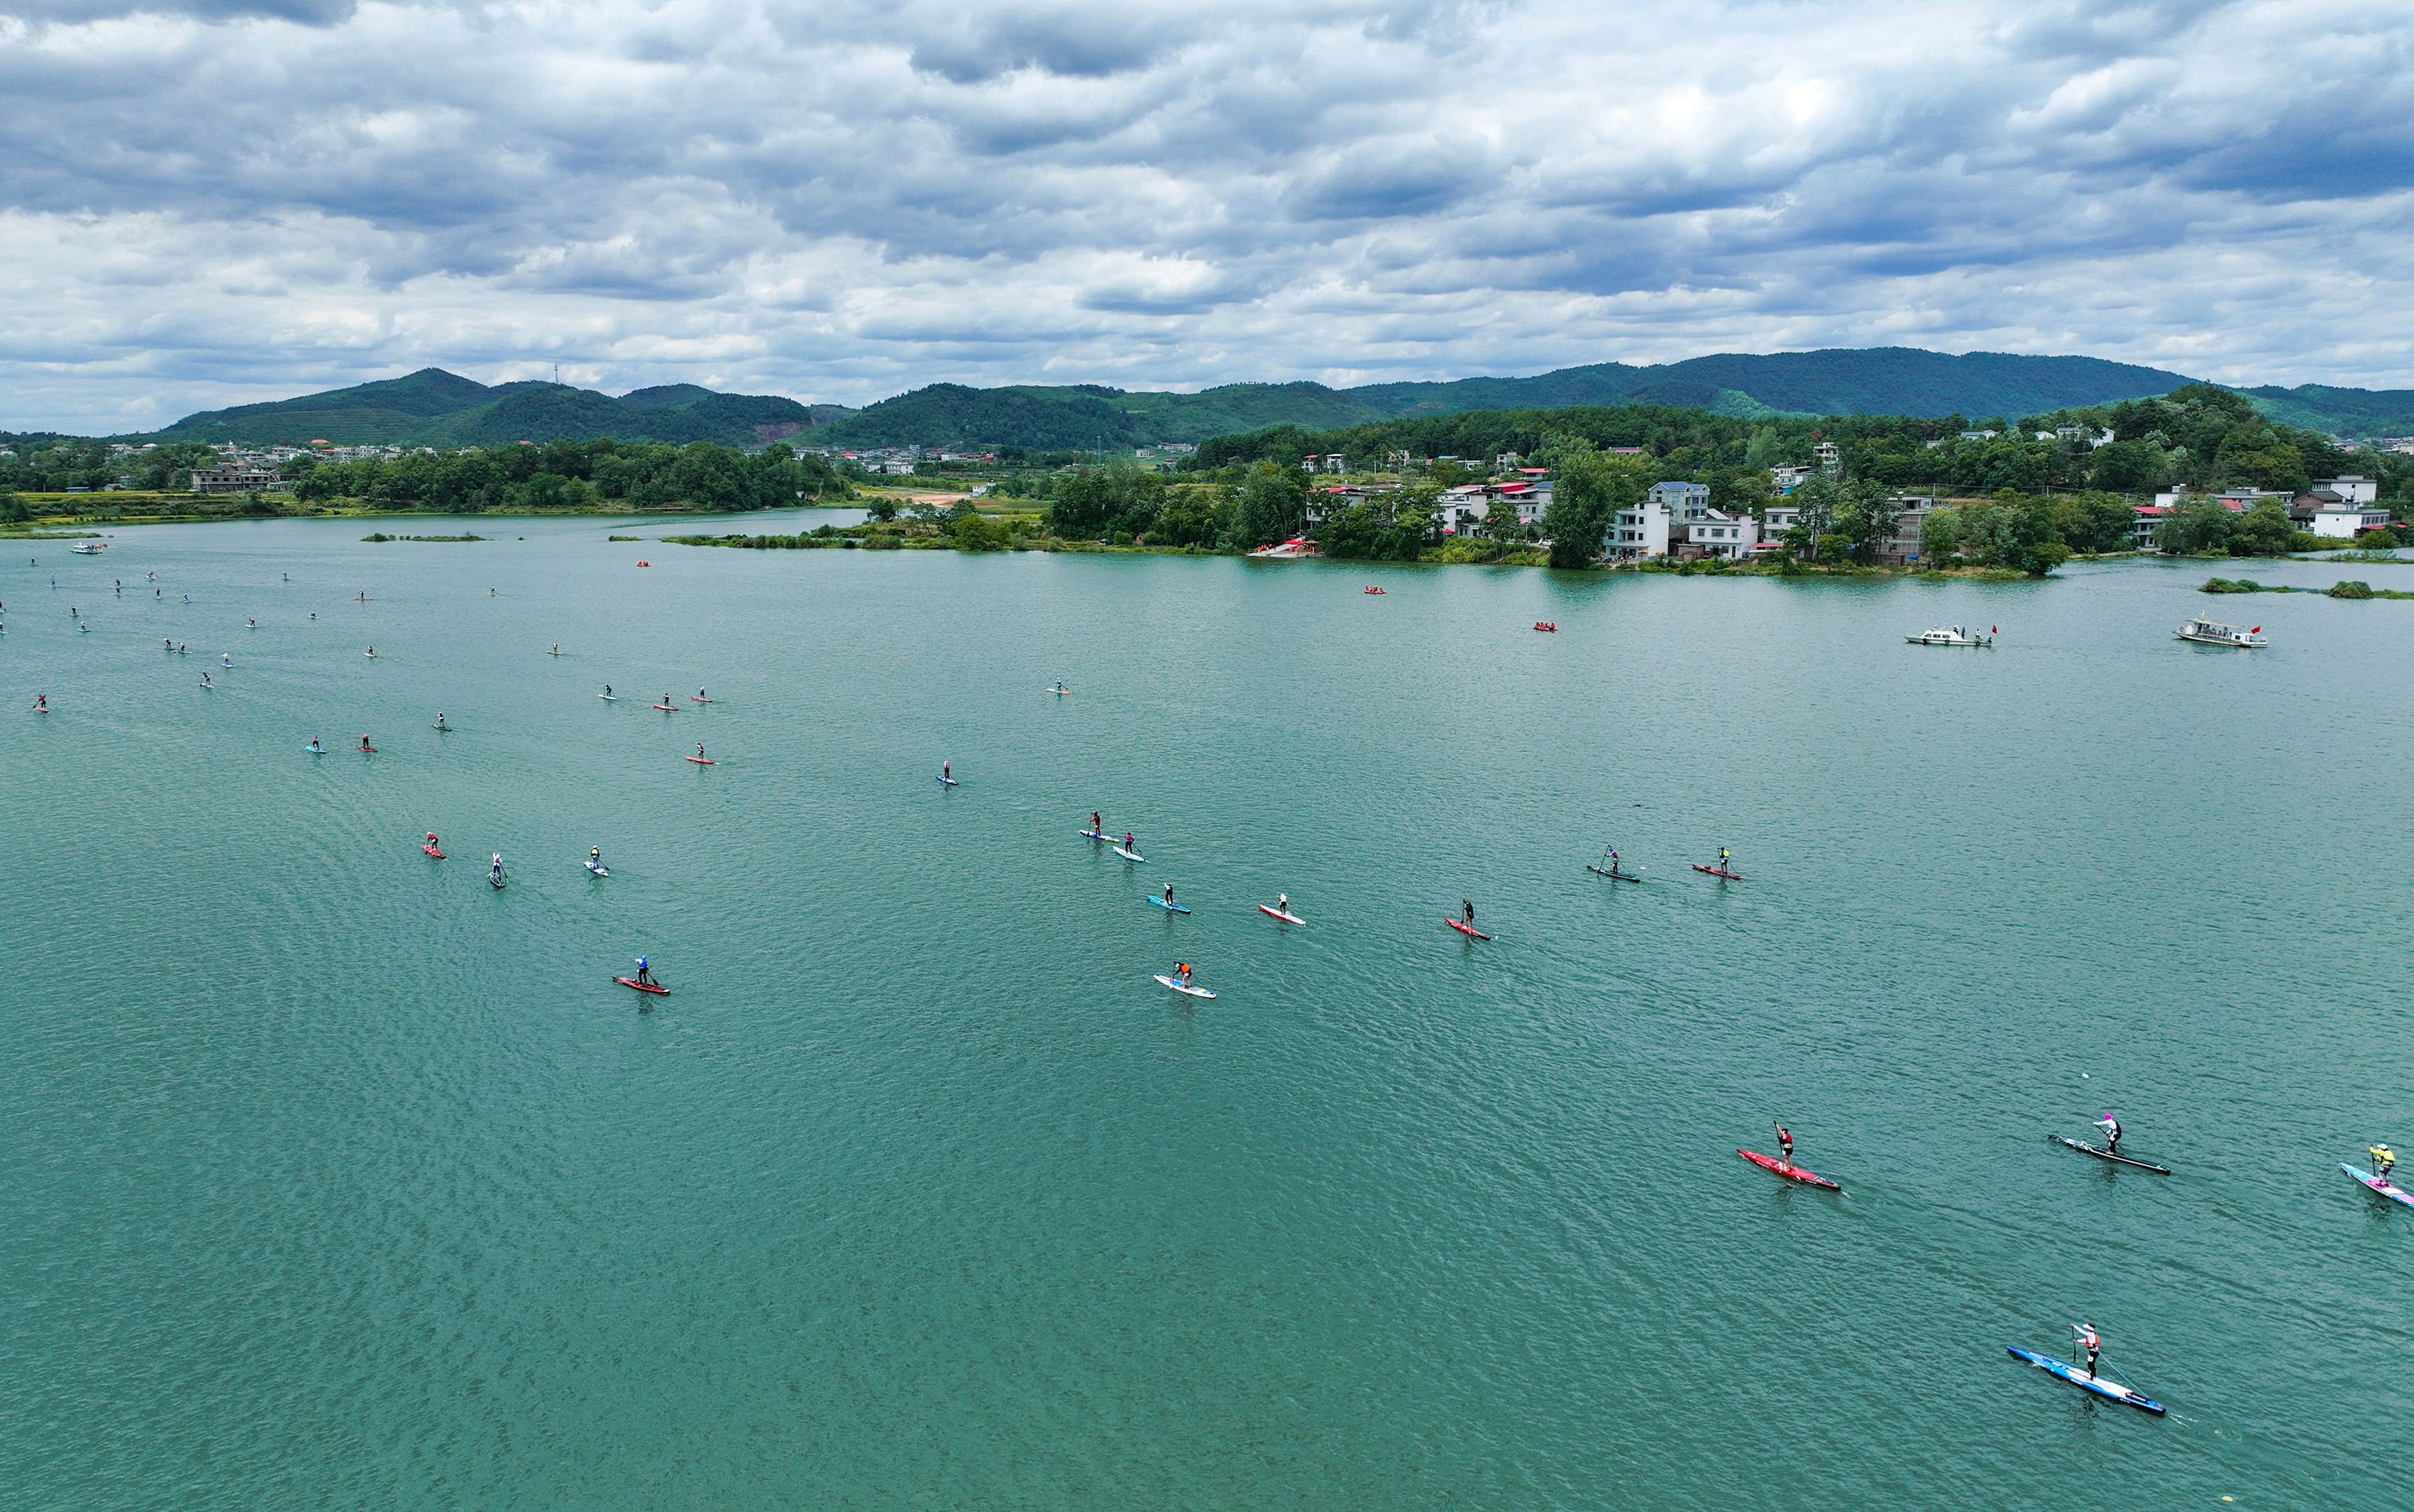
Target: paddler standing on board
1182	970
594	858
1098	825
1282	901
494	872
2111	1127
1723	857
1784	1147
946	769
2383	1161
1467	913
1169	895
2085	1335
641	972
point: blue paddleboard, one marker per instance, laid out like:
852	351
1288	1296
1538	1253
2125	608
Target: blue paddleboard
2376	1184
2085	1382
1169	907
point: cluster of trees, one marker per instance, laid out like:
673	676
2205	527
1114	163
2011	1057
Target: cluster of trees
576	474
47	463
2197	435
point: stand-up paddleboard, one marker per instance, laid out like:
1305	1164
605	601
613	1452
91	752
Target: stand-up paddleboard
1169	907
1792	1173
366	751
495	879
667	708
557	653
1129	855
1191	992
1286	918
2379	1184
445	729
595	870
700	760
1093	834
1613	873
1715	872
2086	1148
609	698
315	750
654	987
2085	1382
1059	689
949	781
1467	930
432	850
699	698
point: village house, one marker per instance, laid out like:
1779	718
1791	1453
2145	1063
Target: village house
236	478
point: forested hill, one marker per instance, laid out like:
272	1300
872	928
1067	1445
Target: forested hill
433	407
1884	381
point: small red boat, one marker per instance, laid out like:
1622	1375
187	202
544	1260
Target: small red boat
1546	625
1792	1173
1374	590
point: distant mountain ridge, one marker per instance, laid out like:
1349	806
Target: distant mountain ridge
434	407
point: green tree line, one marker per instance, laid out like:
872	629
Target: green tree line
579	474
2197	435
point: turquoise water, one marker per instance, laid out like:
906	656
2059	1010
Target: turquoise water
338	1177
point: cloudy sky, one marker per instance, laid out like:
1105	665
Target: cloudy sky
215	201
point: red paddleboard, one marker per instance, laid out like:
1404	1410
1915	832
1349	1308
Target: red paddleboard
1715	872
432	850
643	986
1793	1173
1286	918
695	698
1465	929
699	760
667	708
366	750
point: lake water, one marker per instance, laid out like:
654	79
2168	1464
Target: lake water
337	1177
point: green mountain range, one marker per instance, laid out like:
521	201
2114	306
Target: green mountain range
433	407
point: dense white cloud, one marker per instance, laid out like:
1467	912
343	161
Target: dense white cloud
219	200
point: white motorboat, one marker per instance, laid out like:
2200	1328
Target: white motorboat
1289	551
2205	631
90	548
1950	635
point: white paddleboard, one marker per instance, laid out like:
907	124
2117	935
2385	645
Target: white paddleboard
1190	992
1129	855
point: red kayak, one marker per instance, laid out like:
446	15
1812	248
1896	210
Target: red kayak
1715	872
432	850
1466	928
1792	1173
643	986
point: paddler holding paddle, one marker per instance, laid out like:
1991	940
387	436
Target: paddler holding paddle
2085	1335
2383	1160
1467	913
642	977
1784	1147
2111	1127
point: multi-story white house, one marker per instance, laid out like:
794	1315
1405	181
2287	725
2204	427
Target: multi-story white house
1637	530
1716	534
1681	497
2350	489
